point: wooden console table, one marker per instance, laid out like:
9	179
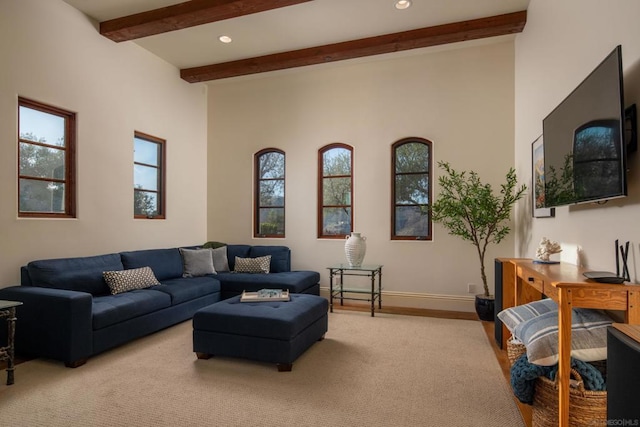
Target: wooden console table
524	281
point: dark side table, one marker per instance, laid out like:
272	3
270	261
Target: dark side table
8	312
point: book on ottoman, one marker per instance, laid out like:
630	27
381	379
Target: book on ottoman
265	295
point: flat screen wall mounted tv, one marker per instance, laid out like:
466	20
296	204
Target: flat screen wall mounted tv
584	146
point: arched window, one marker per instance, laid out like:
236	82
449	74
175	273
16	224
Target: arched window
269	193
411	190
335	197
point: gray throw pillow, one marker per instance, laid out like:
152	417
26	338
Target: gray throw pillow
196	262
220	261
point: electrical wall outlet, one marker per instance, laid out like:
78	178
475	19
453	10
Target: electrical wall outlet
471	288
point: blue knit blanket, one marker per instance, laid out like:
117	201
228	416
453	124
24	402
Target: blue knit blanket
524	374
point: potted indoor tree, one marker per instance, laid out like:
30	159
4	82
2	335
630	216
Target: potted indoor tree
470	209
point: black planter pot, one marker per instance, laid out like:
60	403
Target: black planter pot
485	307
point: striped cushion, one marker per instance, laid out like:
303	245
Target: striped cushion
512	317
588	336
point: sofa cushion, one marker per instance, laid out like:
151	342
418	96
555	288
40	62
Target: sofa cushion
165	263
128	280
252	265
234	251
280	257
186	289
294	281
196	262
112	309
82	274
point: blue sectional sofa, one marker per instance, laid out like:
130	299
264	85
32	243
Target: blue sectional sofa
69	313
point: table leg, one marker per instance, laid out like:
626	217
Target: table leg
341	287
373	293
380	288
331	290
564	355
11	325
632	315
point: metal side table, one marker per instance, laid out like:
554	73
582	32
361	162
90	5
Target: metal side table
338	290
8	312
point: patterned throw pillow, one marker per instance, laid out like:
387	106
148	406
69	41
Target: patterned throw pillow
128	280
253	265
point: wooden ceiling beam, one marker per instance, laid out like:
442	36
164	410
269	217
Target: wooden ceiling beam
425	37
185	15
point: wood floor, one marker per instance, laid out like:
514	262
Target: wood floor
409	311
501	355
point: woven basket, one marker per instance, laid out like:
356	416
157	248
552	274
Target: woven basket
586	407
514	350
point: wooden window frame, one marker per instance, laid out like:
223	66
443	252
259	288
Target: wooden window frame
320	212
394	174
256	196
161	192
70	159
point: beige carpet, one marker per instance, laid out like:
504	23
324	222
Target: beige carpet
385	371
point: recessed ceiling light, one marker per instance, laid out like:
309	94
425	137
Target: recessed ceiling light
225	39
403	4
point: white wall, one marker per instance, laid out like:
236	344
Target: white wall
563	41
54	54
461	99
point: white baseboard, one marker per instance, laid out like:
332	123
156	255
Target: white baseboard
428	301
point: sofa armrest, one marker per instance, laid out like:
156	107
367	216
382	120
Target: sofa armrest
52	323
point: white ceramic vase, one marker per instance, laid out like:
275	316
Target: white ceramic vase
355	247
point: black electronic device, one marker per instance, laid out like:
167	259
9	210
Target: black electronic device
585	148
631	128
609	277
603	276
623	378
498	301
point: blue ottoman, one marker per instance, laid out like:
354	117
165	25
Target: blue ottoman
277	332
